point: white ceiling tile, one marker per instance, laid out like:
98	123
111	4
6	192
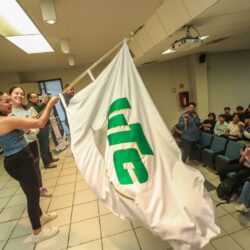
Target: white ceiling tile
173	15
136	49
144	40
196	7
155	30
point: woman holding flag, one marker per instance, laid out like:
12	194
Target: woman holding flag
19	163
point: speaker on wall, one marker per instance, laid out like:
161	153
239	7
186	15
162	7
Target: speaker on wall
202	58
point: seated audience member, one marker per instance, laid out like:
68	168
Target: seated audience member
247	111
234	128
227	115
221	126
208	124
246	130
240	112
244	201
242	170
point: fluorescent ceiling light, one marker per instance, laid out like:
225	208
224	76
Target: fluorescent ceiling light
168	51
31	44
14	21
17	27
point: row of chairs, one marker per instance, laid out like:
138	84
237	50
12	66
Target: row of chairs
217	152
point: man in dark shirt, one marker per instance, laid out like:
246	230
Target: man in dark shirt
208	124
240	111
227	115
43	135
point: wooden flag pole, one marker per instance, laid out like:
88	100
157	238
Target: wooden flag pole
75	81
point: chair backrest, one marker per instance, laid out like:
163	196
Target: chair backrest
233	150
218	144
205	139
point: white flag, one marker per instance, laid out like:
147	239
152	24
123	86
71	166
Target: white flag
131	162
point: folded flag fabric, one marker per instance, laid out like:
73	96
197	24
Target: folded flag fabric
131	162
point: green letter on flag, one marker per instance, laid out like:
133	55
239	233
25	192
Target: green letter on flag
125	174
128	174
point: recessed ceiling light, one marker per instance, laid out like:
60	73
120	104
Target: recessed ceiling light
65	46
71	60
48	11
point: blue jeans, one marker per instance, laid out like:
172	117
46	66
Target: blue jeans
43	139
245	194
187	149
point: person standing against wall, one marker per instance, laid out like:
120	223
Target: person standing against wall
189	122
43	135
67	97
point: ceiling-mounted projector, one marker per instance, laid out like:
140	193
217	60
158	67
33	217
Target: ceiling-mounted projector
185	43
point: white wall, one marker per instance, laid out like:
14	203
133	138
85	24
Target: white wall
223	81
8	80
29	80
229	80
162	81
67	76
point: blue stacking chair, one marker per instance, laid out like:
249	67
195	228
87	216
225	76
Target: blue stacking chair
217	147
204	142
231	155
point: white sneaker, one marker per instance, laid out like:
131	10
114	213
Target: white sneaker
48	217
241	207
44	192
46	233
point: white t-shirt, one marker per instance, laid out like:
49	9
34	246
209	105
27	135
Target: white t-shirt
31	112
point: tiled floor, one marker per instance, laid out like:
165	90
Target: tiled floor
85	223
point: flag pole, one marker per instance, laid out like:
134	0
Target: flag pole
76	80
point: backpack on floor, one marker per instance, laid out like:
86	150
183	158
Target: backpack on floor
224	190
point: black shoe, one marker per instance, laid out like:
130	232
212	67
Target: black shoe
51	165
55	159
